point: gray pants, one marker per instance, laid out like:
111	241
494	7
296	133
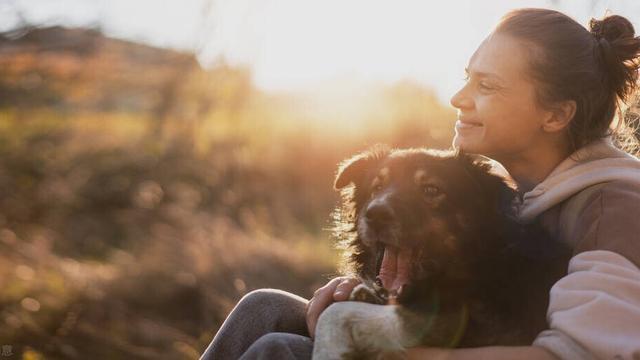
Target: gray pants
265	324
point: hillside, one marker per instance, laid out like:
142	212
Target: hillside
81	69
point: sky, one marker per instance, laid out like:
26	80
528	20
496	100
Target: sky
301	44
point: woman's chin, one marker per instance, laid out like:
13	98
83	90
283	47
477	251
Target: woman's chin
465	144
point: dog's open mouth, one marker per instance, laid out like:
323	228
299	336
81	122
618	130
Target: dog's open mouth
395	268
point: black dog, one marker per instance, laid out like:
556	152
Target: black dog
431	231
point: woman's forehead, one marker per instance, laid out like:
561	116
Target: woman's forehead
501	57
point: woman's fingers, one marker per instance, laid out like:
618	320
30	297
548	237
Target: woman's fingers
322	298
337	289
344	288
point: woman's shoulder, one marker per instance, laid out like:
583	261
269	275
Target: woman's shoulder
623	193
615	196
605	216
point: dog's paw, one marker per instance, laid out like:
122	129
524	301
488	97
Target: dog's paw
357	330
364	293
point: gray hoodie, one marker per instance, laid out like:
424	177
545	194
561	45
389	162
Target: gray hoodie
592	201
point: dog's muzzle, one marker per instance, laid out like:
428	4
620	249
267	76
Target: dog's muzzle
381	220
394	261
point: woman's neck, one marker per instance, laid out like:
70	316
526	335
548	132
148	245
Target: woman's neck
530	168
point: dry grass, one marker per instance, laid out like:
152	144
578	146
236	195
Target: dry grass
130	232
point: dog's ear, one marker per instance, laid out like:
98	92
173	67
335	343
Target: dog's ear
480	162
490	175
354	169
492	167
471	160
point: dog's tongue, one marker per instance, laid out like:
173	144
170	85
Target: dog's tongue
395	268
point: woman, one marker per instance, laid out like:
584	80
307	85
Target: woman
541	94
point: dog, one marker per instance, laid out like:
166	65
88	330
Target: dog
442	260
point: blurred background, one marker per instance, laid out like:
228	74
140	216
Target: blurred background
160	159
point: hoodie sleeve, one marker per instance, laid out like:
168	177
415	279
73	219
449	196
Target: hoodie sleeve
594	311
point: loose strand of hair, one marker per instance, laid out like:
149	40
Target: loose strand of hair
626	133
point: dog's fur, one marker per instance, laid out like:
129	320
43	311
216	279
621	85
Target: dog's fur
477	277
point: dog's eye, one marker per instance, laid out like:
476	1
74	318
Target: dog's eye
376	188
431	190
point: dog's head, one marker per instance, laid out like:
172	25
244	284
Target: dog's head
414	216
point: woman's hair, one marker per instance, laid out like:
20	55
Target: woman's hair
596	68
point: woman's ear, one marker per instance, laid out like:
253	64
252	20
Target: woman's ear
561	115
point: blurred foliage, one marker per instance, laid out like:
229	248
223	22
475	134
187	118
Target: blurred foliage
141	196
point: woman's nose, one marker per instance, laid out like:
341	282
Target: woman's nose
461	99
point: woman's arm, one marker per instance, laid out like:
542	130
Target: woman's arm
484	353
594	311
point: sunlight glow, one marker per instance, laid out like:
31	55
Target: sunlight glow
302	44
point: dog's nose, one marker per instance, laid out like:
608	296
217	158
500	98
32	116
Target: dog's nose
379	214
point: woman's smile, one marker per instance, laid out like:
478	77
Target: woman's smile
465	125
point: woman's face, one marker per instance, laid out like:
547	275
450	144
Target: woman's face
498	115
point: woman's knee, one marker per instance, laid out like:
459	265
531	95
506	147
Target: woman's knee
267	299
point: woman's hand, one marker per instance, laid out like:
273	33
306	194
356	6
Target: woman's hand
337	289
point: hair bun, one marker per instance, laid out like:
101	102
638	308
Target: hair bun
612	28
620	50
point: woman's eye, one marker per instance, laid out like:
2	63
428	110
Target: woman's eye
431	190
483	85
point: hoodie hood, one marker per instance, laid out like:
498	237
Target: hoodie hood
599	161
